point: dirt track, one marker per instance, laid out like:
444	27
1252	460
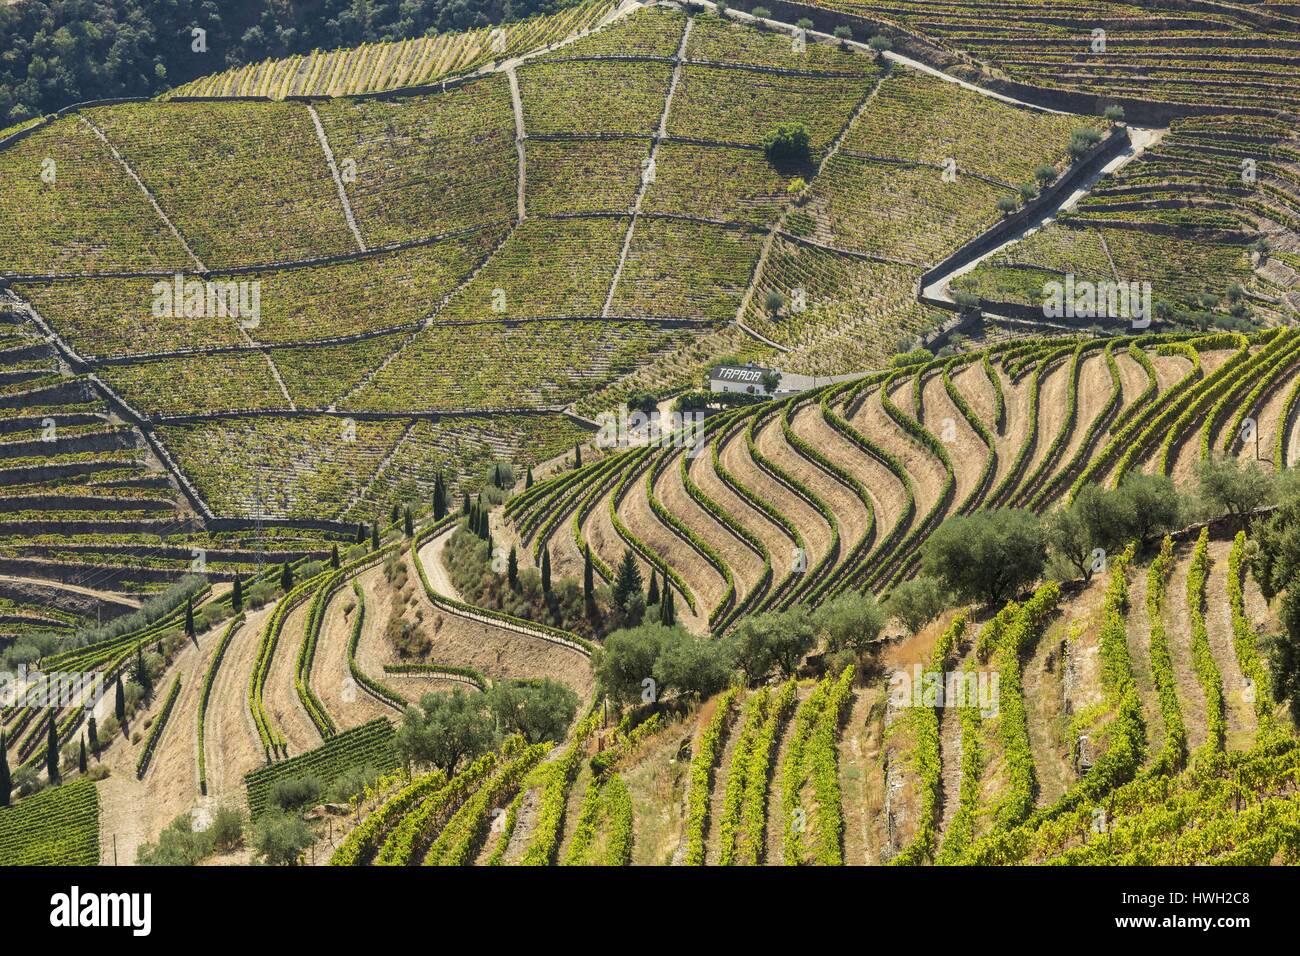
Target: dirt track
493	651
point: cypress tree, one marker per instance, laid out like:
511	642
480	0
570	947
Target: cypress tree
394	515
408	524
628	580
142	673
374	536
52	750
6	784
119	704
286	577
92	729
189	618
81	757
668	611
464	508
489	544
237	594
484	531
361	532
588	575
652	596
577	455
439	498
334	557
512	569
528	480
546	569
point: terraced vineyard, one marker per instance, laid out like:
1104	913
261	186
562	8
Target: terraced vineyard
303	376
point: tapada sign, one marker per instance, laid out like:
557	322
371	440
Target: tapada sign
745	374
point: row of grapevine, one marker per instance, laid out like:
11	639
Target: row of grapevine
704	763
156	730
1173	752
464	832
555	783
369	745
1207	671
926	757
745	812
1244	641
57	827
817	761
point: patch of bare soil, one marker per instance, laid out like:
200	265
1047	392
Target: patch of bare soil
1017	397
974	385
1095	386
965	448
901	805
1242	721
280	695
331	678
736	460
233	747
993	779
133	812
746	566
1186	450
950	763
762	527
1048	684
1178	627
1132	381
843	501
525	825
1170	369
887	494
1267	414
926	471
774	819
657	783
815	529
